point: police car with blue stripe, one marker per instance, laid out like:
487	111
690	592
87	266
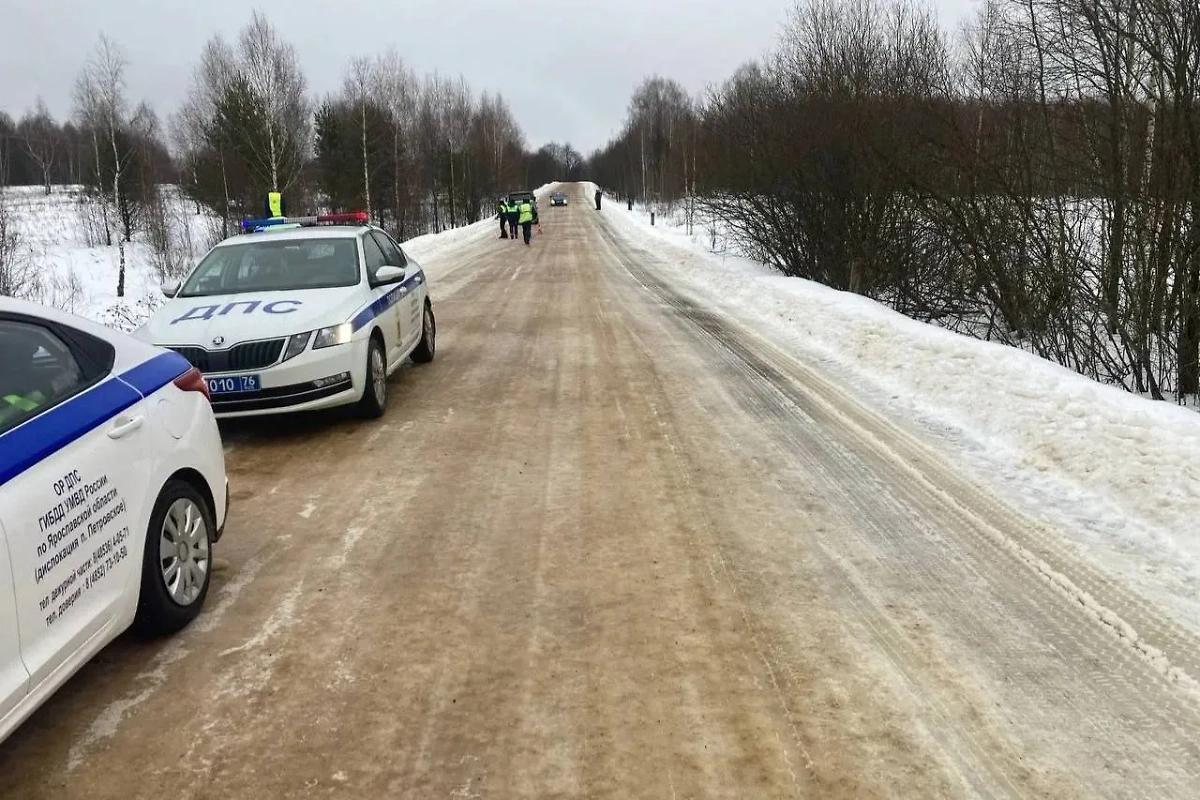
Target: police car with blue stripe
299	314
112	494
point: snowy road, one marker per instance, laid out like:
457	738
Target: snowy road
645	553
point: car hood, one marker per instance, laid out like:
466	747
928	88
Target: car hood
219	321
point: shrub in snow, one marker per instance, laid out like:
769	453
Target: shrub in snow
18	273
127	316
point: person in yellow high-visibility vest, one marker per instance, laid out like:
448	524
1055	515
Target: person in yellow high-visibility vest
526	219
276	208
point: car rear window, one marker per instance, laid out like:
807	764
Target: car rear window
264	265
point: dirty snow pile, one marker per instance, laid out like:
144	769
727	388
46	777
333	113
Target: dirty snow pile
1116	473
428	248
431	248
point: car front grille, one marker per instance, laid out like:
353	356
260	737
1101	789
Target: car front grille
245	356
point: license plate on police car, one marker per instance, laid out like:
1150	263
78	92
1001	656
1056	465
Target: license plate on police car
233	384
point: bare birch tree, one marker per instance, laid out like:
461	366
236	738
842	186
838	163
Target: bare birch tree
41	138
102	106
502	137
272	73
454	105
357	88
396	86
192	125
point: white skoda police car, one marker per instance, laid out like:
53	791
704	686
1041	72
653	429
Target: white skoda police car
112	494
298	314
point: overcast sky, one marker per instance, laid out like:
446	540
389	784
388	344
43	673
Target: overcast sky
567	67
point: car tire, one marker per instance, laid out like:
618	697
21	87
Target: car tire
175	584
427	347
374	400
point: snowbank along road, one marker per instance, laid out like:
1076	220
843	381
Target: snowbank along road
610	544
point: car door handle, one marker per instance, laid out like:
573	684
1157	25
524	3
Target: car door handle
126	427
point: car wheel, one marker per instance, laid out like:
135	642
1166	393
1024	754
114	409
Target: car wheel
177	563
426	348
374	399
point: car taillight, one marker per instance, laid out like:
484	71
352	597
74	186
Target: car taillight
193	381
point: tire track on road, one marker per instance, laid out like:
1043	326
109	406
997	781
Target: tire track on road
891	490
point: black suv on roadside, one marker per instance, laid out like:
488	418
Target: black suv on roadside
519	197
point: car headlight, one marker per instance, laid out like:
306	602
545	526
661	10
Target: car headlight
337	334
296	345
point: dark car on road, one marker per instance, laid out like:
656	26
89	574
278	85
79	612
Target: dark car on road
558	199
520	197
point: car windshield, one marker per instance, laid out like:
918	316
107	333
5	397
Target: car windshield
264	265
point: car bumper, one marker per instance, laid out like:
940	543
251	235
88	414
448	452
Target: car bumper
224	517
286	400
314	380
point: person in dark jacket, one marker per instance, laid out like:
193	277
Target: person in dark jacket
512	216
599	194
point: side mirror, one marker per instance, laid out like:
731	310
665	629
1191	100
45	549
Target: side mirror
385	275
170	289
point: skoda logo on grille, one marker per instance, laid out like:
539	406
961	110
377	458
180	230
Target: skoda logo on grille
218	341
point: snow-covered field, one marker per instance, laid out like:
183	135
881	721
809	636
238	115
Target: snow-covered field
1118	474
61	236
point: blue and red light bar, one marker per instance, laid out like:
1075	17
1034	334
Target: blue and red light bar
351	218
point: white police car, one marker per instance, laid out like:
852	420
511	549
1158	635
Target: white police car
299	314
112	493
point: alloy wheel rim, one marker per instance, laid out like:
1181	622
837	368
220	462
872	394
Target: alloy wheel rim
378	377
183	551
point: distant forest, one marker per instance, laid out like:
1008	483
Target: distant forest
1033	178
419	152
